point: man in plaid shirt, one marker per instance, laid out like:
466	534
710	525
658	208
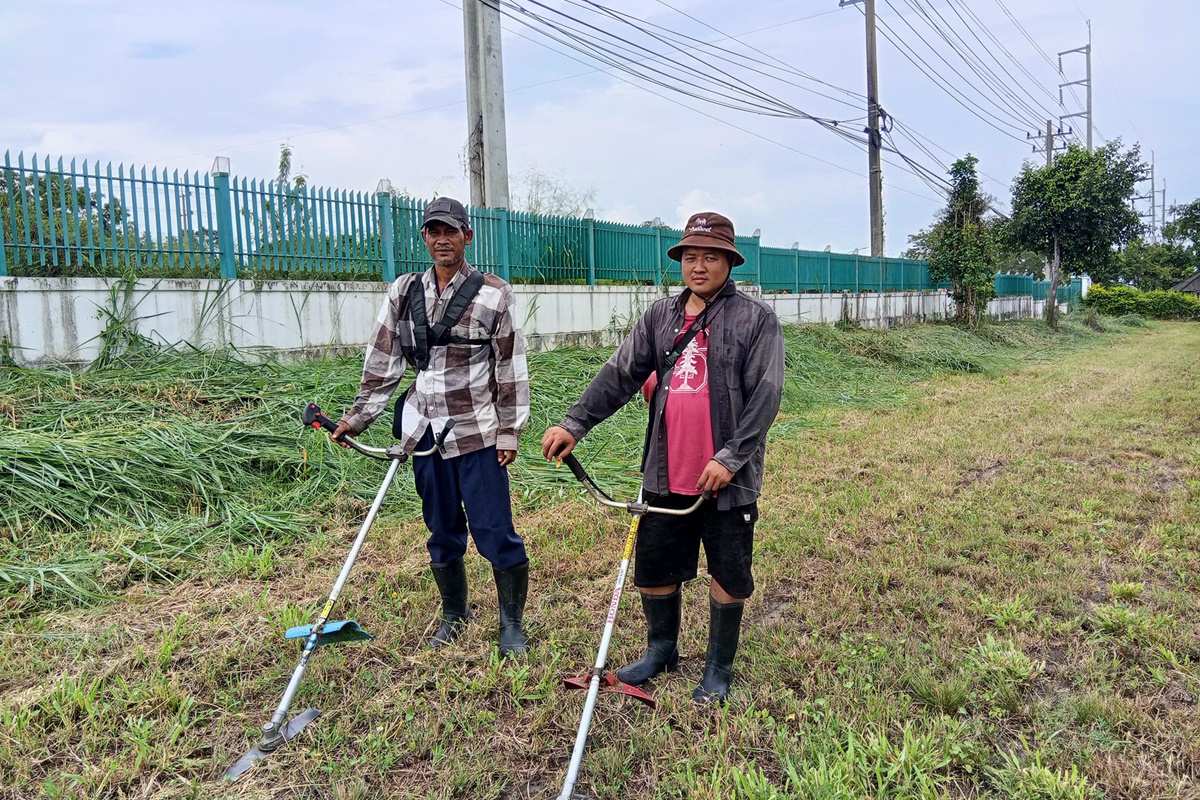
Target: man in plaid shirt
477	376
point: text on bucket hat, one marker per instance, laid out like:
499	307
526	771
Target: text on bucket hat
448	210
708	229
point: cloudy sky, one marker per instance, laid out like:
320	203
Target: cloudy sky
375	88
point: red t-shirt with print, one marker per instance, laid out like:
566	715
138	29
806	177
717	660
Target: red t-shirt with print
688	415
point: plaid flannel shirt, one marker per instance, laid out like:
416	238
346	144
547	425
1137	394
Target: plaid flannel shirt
485	389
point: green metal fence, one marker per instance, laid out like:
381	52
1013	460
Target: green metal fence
60	219
281	231
66	219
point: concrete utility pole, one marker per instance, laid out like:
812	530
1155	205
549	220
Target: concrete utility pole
1048	146
487	145
1087	52
874	138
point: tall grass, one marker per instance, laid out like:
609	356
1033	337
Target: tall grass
144	464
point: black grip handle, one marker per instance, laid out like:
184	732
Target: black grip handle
576	468
312	416
441	437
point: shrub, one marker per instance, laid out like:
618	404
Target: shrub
1159	304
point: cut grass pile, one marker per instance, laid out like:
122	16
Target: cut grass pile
136	469
972	582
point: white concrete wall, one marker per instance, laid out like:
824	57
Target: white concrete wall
873	310
49	320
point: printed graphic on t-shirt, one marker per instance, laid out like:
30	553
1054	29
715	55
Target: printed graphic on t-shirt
691	370
688	416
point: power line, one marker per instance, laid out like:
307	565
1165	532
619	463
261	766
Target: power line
751	100
1006	110
1004	49
590	52
582	41
997	82
1052	62
981	114
784	64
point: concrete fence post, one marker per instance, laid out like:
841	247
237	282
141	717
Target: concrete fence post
591	247
658	265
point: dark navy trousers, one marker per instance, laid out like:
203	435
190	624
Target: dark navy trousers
468	492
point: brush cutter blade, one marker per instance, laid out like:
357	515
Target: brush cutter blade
334	632
610	683
257	754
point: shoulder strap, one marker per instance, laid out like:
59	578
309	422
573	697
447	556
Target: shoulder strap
672	355
458	305
416	308
425	335
702	321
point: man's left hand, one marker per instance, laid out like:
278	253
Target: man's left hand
506	457
714	478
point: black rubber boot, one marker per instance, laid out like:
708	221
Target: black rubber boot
724	626
451	579
512	587
662	637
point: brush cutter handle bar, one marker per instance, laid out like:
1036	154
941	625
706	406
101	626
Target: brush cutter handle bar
438	440
312	416
639	507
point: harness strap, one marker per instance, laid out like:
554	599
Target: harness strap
426	336
438	335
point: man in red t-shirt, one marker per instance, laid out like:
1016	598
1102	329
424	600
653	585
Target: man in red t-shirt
708	429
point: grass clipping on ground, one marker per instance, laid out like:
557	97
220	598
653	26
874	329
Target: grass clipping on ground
976	562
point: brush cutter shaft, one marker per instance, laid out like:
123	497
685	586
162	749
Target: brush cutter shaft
275	732
589	705
637	508
311	643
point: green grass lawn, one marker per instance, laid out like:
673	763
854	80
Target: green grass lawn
978	568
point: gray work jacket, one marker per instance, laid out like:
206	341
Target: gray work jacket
745	373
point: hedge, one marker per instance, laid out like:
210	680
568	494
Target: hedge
1159	304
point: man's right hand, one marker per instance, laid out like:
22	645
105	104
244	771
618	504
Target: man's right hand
557	443
342	430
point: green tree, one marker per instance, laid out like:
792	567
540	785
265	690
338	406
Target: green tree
918	245
1185	225
962	244
1076	212
53	227
1152	265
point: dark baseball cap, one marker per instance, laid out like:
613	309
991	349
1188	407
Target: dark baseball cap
449	211
708	229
